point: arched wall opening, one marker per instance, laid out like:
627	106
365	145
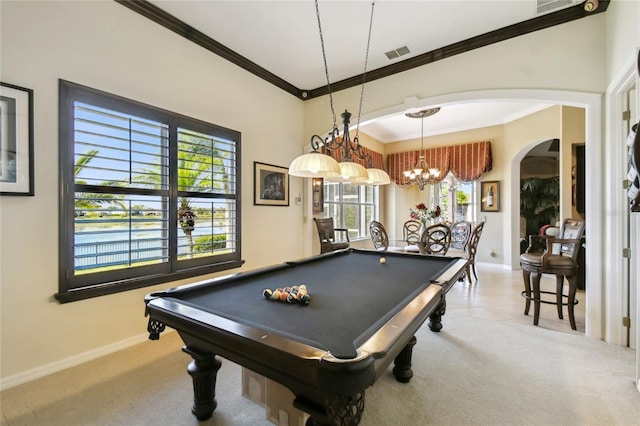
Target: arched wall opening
592	104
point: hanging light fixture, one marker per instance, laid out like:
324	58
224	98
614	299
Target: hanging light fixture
422	174
316	164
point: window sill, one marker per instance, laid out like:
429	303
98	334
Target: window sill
81	293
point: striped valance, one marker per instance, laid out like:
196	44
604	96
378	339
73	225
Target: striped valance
377	161
466	162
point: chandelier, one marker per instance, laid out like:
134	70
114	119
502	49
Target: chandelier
316	164
421	174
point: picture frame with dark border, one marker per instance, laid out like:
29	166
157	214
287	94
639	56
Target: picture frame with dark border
16	140
270	185
317	189
490	196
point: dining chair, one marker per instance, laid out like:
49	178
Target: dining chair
380	238
472	250
547	254
327	235
411	235
436	239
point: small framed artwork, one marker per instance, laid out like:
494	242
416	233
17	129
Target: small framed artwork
317	187
16	140
490	201
270	185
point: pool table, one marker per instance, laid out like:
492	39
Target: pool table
362	315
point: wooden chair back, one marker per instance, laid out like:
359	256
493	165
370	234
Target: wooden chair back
411	231
571	232
379	235
436	239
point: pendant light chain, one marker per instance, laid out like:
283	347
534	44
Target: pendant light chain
321	164
422	135
326	67
364	73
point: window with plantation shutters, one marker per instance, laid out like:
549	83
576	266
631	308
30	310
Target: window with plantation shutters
148	196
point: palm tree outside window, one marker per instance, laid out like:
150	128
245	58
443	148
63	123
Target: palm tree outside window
153	195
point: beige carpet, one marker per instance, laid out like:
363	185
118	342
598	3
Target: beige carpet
475	372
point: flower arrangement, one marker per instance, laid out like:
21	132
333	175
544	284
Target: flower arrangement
422	213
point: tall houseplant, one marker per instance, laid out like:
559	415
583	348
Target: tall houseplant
539	202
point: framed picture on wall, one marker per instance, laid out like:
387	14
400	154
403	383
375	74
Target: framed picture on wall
317	188
16	140
270	185
490	196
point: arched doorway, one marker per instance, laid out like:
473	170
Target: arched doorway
510	221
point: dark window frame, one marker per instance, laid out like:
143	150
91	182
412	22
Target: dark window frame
74	287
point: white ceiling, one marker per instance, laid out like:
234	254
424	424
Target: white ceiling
283	38
450	118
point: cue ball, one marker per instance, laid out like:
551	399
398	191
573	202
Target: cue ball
383	260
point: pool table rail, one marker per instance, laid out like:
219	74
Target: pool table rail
294	364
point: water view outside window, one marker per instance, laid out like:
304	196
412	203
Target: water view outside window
151	192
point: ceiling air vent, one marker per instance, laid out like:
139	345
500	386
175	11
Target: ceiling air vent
546	6
396	53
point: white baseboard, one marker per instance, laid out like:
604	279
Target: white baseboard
72	361
493	265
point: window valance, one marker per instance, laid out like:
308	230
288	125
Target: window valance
377	161
467	162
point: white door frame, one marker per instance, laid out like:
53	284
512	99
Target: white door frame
616	227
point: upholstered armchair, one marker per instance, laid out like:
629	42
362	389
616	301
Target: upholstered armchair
327	235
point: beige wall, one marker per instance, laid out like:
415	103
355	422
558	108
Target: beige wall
77	41
572	135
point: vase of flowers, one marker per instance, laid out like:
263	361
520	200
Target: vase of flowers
423	214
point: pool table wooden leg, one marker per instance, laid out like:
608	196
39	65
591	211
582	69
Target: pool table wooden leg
402	364
203	370
435	319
